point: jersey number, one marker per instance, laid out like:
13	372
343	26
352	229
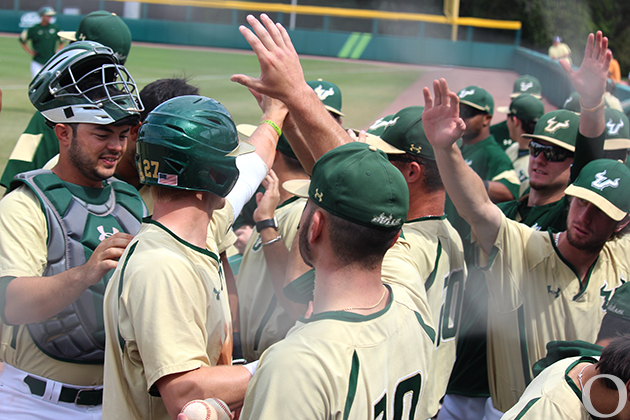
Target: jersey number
452	307
147	168
407	394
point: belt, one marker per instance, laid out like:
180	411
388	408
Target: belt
87	396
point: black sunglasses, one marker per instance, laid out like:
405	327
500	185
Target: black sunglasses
552	153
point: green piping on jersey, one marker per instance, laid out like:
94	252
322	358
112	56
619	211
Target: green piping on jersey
352	385
526	409
583	286
204	251
522	333
350	316
431	278
132	248
265	319
421	219
570	382
430	331
288	201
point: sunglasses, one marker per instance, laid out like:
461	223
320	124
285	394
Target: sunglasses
552	153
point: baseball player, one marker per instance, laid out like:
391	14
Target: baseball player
344	232
428	262
265	314
540	283
44	39
522	115
149	348
617	135
523	84
559	50
62	233
559	392
330	95
38	144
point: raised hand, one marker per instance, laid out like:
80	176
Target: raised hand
590	79
280	69
441	121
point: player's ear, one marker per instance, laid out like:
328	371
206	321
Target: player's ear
133	133
487	118
316	227
414	170
64	134
622	224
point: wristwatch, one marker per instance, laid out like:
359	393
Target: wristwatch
264	224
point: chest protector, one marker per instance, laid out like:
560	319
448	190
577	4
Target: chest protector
75	228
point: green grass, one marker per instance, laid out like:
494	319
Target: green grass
367	88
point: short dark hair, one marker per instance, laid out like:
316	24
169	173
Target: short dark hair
160	91
356	244
527	126
432	178
615	361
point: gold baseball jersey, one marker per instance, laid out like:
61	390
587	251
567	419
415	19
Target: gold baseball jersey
428	263
537	297
263	320
342	365
166	311
552	395
23	235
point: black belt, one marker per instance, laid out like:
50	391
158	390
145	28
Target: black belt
69	395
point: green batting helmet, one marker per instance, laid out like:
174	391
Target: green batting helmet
190	143
84	83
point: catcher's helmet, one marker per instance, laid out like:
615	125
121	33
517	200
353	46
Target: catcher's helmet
189	143
84	83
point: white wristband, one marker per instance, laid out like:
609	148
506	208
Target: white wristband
252	367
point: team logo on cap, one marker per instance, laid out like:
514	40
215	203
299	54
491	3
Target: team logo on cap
414	148
318	195
386	220
465	93
601	181
613	128
553	125
382	123
569	99
614	309
323	94
525	86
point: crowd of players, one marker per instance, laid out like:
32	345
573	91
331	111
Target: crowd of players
378	277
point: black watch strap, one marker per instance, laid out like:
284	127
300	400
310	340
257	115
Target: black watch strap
264	224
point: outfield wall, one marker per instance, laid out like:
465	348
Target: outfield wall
418	49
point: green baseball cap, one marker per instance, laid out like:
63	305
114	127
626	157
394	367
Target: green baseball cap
357	183
606	184
245	131
477	98
105	28
573	103
526	107
374	132
329	94
47	11
407	133
527	84
617	128
559	127
619	304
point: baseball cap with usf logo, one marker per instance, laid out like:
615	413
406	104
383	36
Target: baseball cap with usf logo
105	28
357	183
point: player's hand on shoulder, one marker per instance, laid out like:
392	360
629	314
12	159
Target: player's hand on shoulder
440	119
105	257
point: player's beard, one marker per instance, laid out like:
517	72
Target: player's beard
305	248
85	164
593	246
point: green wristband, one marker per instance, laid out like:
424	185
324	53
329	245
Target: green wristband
274	125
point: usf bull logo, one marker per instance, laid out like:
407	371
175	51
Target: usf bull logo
465	93
525	86
322	93
613	128
553	125
602	182
380	123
